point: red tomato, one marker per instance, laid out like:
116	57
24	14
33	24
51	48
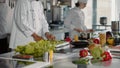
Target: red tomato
96	41
83	53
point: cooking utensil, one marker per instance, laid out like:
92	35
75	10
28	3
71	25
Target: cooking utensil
115	27
103	20
79	44
85	36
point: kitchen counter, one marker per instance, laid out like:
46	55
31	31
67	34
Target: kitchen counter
61	60
6	61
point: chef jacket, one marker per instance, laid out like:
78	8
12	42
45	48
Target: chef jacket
28	18
3	21
75	19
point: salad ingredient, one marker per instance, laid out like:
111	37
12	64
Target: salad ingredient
106	56
83	53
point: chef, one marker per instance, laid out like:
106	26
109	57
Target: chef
3	28
74	21
29	23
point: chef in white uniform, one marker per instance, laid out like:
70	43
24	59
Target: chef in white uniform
74	21
29	23
3	28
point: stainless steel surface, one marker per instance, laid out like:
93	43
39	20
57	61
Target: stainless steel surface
64	61
103	20
85	36
67	62
115	27
6	61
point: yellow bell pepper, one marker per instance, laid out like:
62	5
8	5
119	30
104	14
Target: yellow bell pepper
76	37
51	56
110	41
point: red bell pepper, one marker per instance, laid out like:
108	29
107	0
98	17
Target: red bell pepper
106	56
83	53
68	39
96	40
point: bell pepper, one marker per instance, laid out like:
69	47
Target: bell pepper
83	53
106	56
97	41
110	40
68	39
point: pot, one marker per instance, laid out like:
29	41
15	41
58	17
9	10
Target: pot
103	20
117	40
115	27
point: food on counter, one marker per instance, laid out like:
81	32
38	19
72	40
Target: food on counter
83	53
95	50
37	49
76	38
96	40
91	46
51	56
95	60
109	34
23	56
110	41
68	39
106	56
81	61
102	37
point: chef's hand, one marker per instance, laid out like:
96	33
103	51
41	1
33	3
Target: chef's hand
78	30
49	36
36	37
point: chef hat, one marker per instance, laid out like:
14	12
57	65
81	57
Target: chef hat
83	1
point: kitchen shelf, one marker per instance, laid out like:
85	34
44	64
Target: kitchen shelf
101	27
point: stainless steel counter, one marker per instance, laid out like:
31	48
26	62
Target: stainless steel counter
6	61
61	60
66	62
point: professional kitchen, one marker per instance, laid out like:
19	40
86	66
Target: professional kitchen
59	34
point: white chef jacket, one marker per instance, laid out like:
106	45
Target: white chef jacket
3	21
28	18
75	19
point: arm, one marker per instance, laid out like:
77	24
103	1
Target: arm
45	25
49	36
36	37
21	18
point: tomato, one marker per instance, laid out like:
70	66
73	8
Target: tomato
83	53
96	41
